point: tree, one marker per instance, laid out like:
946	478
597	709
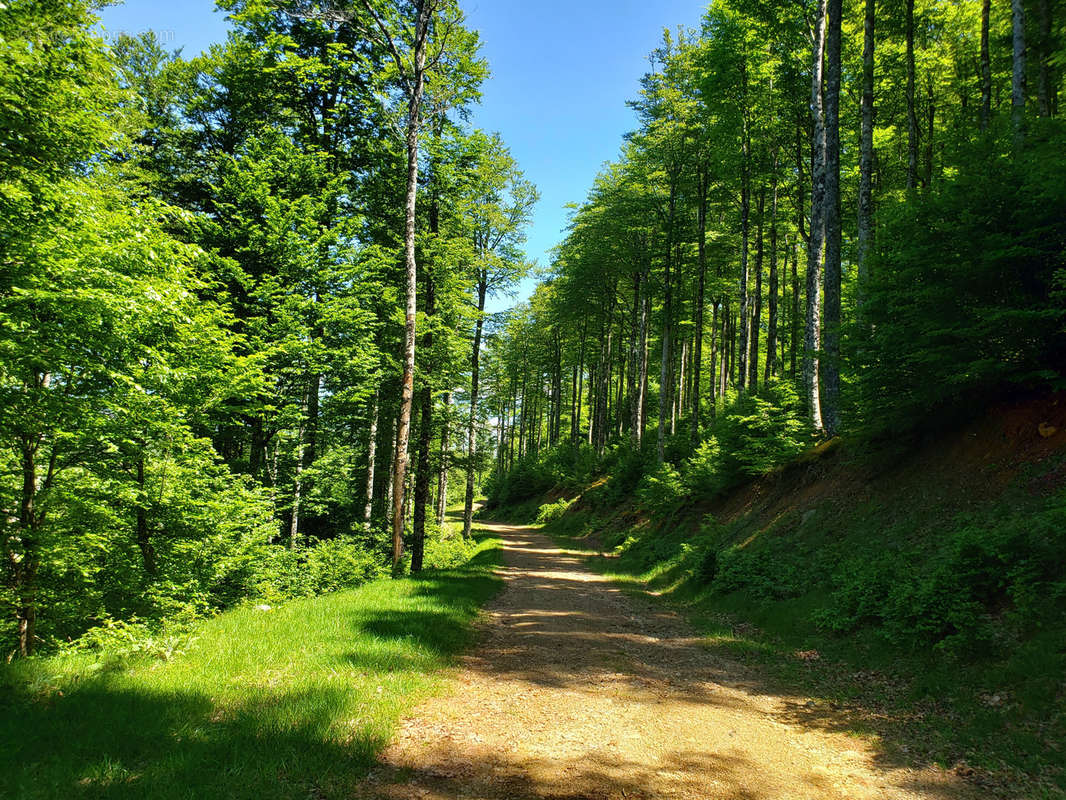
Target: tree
830	365
423	50
818	227
500	203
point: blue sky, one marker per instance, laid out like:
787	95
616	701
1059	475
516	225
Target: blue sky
561	73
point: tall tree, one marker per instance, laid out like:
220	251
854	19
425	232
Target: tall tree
866	141
501	202
1018	76
830	364
426	42
817	230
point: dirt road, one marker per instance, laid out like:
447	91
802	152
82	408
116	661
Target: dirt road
580	691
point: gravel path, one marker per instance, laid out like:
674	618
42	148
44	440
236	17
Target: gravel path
580	691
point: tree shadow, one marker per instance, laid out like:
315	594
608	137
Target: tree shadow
867	713
582	634
122	734
108	741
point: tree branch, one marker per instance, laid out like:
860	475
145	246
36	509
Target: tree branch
390	44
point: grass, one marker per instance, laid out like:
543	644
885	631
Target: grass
294	702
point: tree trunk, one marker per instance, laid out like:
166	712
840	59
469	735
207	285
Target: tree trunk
425	428
930	110
680	396
619	414
701	277
257	448
912	114
144	540
1017	93
297	488
643	376
393	425
784	312
986	66
371	454
795	337
664	364
727	347
639	368
471	432
445	457
830	395
603	389
573	403
634	359
712	373
421	491
314	386
514	417
866	145
756	320
580	383
745	214
557	391
771	327
25	565
1045	88
812	332
414	117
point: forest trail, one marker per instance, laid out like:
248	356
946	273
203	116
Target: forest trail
578	690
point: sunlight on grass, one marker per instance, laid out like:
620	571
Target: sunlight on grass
288	703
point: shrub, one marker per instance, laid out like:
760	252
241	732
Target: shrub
324	566
701	473
965	293
661	490
117	640
707	568
448	551
549	512
987	574
760	431
567	466
625	467
767	573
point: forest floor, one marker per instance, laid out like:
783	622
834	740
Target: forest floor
580	690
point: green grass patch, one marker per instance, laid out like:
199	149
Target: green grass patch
293	702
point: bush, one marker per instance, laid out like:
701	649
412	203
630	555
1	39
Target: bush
566	466
707	569
766	573
624	467
325	566
118	640
549	512
661	490
701	473
762	430
988	574
448	551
